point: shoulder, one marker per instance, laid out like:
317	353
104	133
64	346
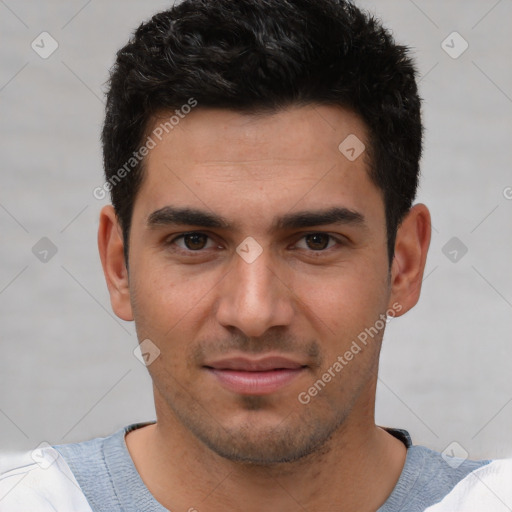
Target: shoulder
92	468
487	488
39	481
77	476
427	477
104	469
438	474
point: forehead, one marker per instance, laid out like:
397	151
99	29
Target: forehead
233	163
224	136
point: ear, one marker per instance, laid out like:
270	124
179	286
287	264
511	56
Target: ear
111	247
411	247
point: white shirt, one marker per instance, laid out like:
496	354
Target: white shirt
487	489
39	481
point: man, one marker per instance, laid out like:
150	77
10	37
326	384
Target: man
262	158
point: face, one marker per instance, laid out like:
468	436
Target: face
255	237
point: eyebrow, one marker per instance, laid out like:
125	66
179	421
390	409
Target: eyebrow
169	215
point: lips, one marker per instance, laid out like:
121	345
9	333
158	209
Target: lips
255	376
255	365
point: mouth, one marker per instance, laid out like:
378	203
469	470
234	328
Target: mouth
255	377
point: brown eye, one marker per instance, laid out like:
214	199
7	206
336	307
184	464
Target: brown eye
195	241
317	241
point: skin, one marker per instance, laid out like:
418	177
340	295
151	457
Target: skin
214	449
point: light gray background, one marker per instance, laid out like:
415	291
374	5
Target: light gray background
67	371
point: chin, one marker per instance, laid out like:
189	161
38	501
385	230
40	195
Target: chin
265	440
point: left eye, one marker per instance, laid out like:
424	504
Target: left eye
192	241
318	241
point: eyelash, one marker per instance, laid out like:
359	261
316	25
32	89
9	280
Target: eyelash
201	251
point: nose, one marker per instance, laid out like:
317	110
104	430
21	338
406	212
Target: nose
253	297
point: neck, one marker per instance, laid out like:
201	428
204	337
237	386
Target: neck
355	470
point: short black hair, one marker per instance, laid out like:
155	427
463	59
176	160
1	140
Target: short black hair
263	56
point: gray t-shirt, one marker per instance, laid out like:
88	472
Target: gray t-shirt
108	478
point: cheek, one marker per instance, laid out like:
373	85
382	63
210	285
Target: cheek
151	299
166	311
344	300
167	301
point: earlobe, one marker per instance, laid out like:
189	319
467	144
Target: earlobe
111	248
411	247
